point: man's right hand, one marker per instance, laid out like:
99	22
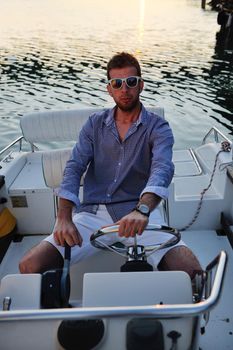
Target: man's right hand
66	231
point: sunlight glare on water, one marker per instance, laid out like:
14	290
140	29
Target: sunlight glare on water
53	55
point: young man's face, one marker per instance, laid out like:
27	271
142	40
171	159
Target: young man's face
126	98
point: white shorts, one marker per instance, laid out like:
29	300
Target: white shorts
87	223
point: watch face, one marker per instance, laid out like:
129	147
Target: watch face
144	208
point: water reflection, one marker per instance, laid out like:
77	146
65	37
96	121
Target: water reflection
59	63
141	20
221	74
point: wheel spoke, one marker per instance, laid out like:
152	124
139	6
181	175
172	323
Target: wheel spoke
123	250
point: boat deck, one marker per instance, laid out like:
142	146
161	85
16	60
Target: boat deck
206	245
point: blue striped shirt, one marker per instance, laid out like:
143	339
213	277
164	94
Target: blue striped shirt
119	172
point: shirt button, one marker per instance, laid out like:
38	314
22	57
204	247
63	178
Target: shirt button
108	195
119	164
115	180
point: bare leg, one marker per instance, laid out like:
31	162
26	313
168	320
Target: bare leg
41	258
181	259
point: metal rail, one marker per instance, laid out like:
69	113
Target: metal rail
216	133
18	140
199	169
159	311
196	162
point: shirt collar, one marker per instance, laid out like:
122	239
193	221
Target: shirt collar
142	119
110	117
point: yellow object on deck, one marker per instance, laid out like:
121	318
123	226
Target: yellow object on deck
7	222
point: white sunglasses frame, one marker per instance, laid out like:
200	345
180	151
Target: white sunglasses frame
125	80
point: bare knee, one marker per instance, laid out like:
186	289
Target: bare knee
25	266
29	264
181	259
41	258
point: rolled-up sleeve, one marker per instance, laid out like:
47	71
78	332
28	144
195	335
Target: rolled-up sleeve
162	167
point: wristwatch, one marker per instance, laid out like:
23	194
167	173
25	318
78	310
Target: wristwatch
143	209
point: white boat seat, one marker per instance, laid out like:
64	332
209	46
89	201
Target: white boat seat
23	289
60	125
54	125
53	165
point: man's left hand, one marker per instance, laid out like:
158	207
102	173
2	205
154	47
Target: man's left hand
132	224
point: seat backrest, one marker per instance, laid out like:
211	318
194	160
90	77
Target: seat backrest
53	165
60	125
52	125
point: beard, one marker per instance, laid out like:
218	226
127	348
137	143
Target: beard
127	106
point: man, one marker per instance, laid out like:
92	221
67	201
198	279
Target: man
127	152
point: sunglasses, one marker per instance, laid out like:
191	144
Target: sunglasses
131	82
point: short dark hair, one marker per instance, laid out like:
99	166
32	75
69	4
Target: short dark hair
122	60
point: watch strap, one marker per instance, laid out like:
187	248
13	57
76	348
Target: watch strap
137	208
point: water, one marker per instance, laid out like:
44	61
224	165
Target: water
53	55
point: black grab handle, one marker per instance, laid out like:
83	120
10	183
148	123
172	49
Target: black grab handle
67	254
65	277
55	289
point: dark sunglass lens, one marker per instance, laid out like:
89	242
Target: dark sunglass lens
116	83
132	81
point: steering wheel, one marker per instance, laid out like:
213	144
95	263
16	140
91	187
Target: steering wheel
135	252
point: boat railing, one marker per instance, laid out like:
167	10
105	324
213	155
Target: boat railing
159	311
18	141
217	134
